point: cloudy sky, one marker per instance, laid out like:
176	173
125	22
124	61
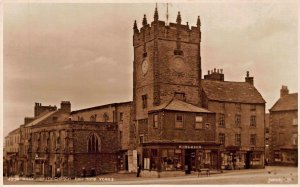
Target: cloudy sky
83	52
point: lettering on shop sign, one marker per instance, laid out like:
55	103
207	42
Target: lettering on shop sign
189	147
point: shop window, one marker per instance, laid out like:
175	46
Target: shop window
144	101
256	156
93	144
222	138
178	121
171	159
277	157
222	120
252	121
238	139
155	121
253	139
199	122
237	120
295	121
147	163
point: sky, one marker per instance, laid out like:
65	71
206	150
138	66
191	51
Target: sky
83	52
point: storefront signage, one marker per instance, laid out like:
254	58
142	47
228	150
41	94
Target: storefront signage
189	147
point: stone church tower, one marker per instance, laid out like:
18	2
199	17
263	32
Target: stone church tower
167	65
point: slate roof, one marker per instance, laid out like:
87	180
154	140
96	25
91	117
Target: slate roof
287	102
226	91
178	105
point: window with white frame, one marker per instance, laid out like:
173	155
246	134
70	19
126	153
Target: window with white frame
199	122
178	121
155	121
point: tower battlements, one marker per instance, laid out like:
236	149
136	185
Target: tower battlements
160	30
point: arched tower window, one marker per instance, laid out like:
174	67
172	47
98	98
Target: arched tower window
93	144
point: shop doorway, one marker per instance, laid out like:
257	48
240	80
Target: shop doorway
190	162
50	171
126	162
248	160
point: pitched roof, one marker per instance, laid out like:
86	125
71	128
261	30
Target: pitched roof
40	119
287	102
178	105
101	106
226	91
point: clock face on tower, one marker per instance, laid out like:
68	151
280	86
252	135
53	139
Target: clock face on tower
145	66
178	64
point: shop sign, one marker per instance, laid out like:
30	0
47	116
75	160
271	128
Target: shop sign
189	147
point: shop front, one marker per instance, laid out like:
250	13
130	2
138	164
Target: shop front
179	158
286	157
234	157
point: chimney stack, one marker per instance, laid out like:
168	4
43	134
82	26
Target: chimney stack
284	91
249	79
65	106
215	74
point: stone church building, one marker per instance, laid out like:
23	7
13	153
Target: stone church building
176	123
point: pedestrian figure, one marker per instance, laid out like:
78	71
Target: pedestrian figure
83	172
139	170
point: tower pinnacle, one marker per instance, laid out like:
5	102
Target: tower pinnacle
198	22
144	20
156	13
135	29
178	20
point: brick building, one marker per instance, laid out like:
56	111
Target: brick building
284	129
240	116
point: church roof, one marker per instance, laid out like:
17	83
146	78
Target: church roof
242	92
41	118
287	102
178	105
